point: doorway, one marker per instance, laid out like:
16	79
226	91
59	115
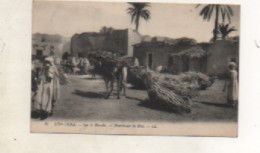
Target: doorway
39	54
150	60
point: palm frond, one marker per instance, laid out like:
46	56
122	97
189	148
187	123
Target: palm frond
225	11
229	18
198	5
223	14
230	10
207	11
203	11
228	14
210	12
145	14
231	29
133	16
130	11
225	30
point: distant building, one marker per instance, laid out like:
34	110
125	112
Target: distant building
43	44
117	41
158	50
184	54
220	54
86	42
192	59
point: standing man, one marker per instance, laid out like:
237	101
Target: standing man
43	105
231	84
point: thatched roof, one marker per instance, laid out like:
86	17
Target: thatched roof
193	52
181	41
167	41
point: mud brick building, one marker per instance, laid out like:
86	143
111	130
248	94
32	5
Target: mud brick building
43	44
117	41
220	54
157	52
182	55
192	59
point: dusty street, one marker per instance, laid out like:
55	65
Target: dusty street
83	100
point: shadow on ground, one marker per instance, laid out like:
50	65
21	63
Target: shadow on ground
91	78
89	94
155	106
217	105
137	88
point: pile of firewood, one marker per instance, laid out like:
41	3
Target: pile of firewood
175	91
134	76
111	58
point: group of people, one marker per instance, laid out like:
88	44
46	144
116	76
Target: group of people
46	76
76	65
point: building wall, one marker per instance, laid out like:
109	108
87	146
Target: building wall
46	43
160	51
216	62
66	46
159	54
44	47
133	38
219	55
198	64
86	42
118	41
177	64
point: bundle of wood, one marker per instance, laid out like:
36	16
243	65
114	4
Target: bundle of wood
104	63
134	76
175	91
199	80
111	58
160	95
181	88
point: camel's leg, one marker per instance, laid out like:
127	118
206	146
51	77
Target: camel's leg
124	88
119	87
106	83
124	80
111	89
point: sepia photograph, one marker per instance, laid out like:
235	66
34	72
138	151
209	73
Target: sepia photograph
135	68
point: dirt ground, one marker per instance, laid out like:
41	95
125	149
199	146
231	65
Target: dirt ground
83	100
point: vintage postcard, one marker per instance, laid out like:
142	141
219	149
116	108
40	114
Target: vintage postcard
135	68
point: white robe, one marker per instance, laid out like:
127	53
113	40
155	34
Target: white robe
44	97
48	91
232	92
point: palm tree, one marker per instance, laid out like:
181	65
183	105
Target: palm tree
106	30
207	11
137	11
225	30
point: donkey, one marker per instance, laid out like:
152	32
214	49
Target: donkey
111	72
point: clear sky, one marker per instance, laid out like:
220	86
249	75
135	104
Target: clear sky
167	19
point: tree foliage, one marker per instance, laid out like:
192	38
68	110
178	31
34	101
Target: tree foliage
225	30
137	11
224	11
